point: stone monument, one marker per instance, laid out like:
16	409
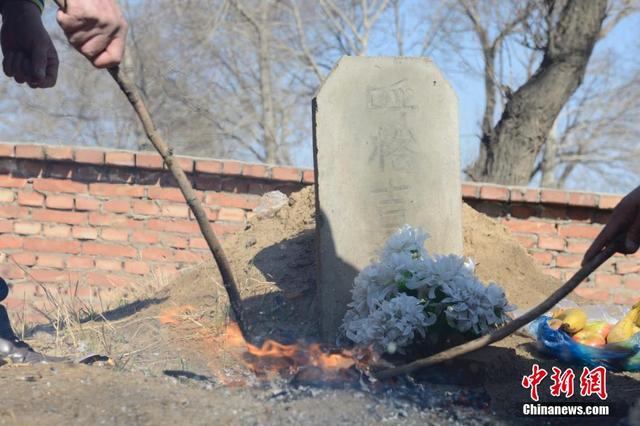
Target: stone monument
386	153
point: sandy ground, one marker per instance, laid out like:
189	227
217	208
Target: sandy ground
176	359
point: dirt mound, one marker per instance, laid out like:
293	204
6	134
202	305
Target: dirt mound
501	259
273	260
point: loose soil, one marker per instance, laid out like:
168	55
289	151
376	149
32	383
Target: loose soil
176	361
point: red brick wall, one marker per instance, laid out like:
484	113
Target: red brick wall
98	220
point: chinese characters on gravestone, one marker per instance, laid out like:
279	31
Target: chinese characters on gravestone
386	153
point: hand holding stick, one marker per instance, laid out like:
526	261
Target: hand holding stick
230	285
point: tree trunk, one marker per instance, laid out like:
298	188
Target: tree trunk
266	88
508	153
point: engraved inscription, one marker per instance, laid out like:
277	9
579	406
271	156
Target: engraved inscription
395	96
393	148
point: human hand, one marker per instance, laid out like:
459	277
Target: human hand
96	28
624	220
28	52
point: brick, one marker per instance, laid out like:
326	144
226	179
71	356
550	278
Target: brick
60	202
578	246
525	195
255	170
27	228
185	163
522	211
625	298
24	258
109	250
158	254
583	199
553	272
52	246
170	194
79	262
10	272
187	256
109	264
543	257
7	150
116	190
231	167
496	193
116	206
120	158
107	280
627	267
11	182
308	176
175	210
241	201
59	153
579	213
175	241
32	199
592	294
554	196
149	160
526	240
608	201
469	190
71	218
568	261
6	226
554	212
289	174
84	233
50	261
89	156
207	182
579	231
6	196
198	243
59	185
87	204
550	243
144	237
32	152
114	220
57	231
147	208
185	226
10	242
60	171
529	226
234	185
112	234
13	212
231	215
134	267
607	280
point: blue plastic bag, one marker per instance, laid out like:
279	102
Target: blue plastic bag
624	356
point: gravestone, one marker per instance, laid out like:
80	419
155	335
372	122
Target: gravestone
386	153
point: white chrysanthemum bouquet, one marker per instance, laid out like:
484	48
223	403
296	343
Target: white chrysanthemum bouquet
409	295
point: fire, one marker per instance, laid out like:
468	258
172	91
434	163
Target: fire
311	361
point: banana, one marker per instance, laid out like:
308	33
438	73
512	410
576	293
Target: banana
573	320
554	323
623	330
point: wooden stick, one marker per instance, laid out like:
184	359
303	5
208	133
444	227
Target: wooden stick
136	101
508	328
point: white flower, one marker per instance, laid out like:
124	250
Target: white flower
372	285
406	240
393	325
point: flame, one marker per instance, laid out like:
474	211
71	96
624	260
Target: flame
275	358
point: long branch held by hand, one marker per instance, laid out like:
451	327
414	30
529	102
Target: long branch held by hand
507	329
130	90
